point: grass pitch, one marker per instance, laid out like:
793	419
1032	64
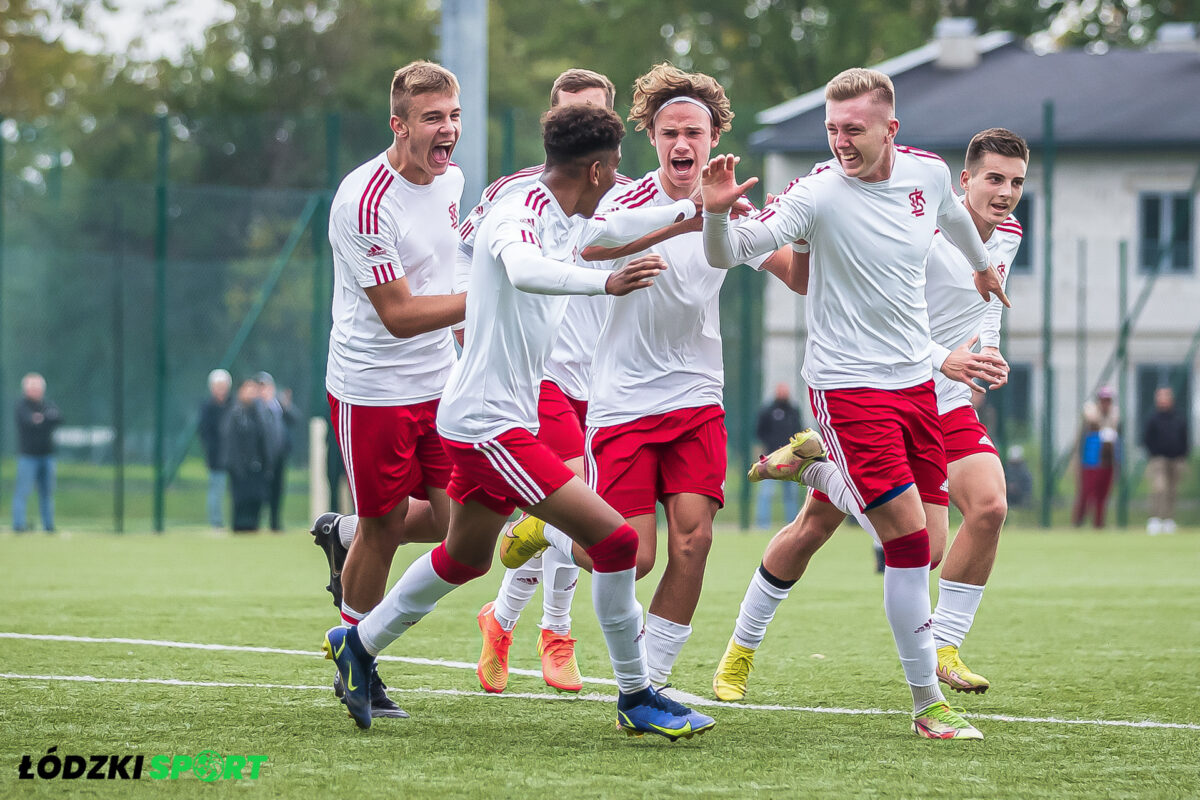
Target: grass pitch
1086	632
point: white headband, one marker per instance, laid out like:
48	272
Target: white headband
684	99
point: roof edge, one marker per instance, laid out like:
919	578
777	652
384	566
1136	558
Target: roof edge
892	67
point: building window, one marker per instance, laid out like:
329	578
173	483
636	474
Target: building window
1165	233
1149	378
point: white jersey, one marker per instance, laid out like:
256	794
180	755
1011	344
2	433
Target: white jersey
516	300
956	311
867	321
383	228
569	364
660	348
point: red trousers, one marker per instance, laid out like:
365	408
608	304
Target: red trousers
1094	486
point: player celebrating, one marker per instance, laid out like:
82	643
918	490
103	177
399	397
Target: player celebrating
562	410
656	429
870	215
993	180
392	229
520	277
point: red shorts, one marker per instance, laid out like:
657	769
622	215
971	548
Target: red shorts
634	464
561	421
884	439
965	435
514	469
390	453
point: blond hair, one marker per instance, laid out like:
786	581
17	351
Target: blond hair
576	80
858	81
420	77
664	82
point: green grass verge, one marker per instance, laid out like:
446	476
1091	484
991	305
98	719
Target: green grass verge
1073	626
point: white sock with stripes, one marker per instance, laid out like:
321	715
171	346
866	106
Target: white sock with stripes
413	596
516	590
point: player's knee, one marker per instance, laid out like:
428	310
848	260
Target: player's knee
989	514
692	544
645	564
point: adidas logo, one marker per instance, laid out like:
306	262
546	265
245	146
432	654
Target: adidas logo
641	635
985	440
528	580
375	250
945	487
571	588
926	627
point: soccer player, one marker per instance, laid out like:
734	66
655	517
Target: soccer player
520	278
392	227
870	215
993	180
562	410
656	430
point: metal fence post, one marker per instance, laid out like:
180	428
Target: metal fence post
160	324
118	345
2	381
1048	481
1123	386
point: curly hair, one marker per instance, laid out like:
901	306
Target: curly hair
665	81
578	130
420	77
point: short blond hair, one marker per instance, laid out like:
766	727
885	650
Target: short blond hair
576	80
858	81
420	77
665	82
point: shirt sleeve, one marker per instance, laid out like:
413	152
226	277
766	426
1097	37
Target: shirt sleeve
989	328
516	244
618	226
789	218
368	248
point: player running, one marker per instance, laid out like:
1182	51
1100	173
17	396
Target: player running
562	413
870	215
656	430
993	179
520	278
392	227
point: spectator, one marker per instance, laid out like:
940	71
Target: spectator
280	416
777	421
1165	438
37	418
212	416
247	454
1098	456
1018	479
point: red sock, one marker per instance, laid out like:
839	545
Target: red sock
616	552
452	571
908	551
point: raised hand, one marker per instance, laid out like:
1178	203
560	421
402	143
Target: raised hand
637	274
964	366
719	185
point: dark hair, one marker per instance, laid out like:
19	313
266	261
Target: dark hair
576	80
1000	141
578	130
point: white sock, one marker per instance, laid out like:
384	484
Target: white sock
347	525
349	613
758	609
925	696
560	541
559	578
664	640
620	617
516	590
955	612
906	603
826	477
413	596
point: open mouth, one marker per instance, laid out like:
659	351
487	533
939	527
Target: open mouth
849	159
441	154
682	166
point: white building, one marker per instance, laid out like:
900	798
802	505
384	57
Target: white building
1125	169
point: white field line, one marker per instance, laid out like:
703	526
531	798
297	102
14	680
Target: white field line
691	699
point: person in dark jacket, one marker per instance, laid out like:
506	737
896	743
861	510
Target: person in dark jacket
1165	438
279	415
247	456
37	418
212	416
777	421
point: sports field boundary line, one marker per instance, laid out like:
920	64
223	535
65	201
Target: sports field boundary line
692	699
